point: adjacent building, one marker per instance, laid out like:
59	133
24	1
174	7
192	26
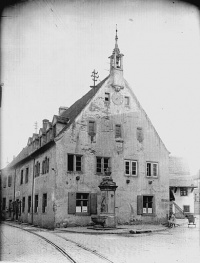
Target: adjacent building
182	187
54	180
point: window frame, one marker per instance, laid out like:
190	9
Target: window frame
107	97
75	163
26	175
9	180
118	133
140	205
130	162
29	203
36	204
126	99
82	200
44	203
23	204
183	191
188	208
152	169
103	169
22	177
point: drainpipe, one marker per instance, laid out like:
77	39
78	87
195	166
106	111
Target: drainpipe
33	181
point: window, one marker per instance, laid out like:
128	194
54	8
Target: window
26	176
9	180
91	128
4	182
4	204
74	163
183	191
145	205
118	131
152	169
107	96
130	168
36	204
127	101
21	180
82	203
44	203
23	204
37	169
102	163
186	208
29	204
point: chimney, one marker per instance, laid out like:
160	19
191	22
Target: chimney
62	109
45	122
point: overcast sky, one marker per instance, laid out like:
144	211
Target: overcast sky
50	48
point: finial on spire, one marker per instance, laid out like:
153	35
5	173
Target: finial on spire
116	37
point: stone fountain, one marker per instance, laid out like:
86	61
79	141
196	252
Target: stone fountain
107	217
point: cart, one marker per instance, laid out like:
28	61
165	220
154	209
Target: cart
191	220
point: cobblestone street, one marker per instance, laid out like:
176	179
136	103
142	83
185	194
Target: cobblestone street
180	244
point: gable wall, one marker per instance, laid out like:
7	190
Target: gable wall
76	140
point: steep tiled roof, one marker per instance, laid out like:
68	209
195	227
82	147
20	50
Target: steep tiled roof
70	114
79	105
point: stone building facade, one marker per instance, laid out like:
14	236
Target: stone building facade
105	130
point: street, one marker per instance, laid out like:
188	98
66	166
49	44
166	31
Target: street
180	244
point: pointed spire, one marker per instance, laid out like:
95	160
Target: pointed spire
116	38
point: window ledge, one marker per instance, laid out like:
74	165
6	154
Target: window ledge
152	177
128	175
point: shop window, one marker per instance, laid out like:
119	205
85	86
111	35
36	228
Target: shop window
21	179
183	191
102	163
152	169
130	168
36	204
23	204
74	163
82	203
186	208
9	180
29	204
44	203
118	131
145	205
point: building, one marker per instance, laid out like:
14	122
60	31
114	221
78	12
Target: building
54	180
182	187
197	193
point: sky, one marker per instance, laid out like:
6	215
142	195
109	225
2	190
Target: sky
50	48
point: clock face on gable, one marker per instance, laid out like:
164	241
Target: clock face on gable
117	98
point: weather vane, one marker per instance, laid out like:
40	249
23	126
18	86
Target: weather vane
94	77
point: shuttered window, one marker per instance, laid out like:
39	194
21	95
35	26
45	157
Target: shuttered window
145	204
82	203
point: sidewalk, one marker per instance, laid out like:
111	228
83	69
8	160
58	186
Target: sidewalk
121	229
